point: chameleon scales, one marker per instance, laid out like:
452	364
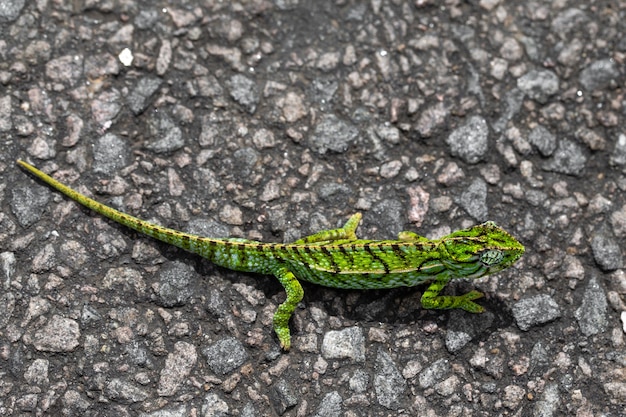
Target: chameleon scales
337	258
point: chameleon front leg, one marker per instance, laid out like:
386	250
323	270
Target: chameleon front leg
285	310
432	300
348	231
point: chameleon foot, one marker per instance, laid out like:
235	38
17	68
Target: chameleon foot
432	300
466	303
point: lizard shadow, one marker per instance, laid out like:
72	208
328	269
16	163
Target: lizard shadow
402	306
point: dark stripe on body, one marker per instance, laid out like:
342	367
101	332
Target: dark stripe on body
336	269
369	250
398	252
243	254
348	256
295	255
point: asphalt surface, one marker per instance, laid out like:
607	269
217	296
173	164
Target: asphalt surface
271	120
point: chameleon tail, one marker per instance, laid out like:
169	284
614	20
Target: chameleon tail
182	240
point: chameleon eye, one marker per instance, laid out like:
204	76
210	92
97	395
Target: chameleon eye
491	257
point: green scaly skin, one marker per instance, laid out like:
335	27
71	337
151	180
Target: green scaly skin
337	258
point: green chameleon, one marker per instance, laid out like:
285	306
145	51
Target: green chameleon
337	258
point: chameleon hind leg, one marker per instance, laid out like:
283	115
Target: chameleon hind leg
432	300
412	237
285	310
347	231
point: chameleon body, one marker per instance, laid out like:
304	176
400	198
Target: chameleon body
337	258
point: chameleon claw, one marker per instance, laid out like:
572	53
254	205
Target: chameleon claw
285	342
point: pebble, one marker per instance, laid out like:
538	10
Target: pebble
591	315
177	367
175	287
139	99
599	74
567	159
224	356
542	139
344	344
474	200
11	10
244	91
110	154
470	141
389	384
6	123
539	85
59	334
332	134
28	203
536	310
165	135
606	250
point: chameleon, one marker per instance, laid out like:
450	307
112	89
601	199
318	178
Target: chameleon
337	258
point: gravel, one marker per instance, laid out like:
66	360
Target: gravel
270	121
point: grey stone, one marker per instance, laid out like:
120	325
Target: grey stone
539	85
548	403
534	311
474	200
568	159
124	392
7	268
434	373
7	306
568	20
359	381
606	250
165	136
330	406
225	356
618	157
10	9
244	91
389	385
28	203
332	134
599	74
6	123
389	215
214	406
470	141
283	396
172	411
464	327
591	315
175	287
542	139
139	99
344	344
513	99
110	153
37	372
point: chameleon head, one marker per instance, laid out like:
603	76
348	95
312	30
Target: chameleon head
481	250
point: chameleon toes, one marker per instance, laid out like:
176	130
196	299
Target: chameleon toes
470	306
